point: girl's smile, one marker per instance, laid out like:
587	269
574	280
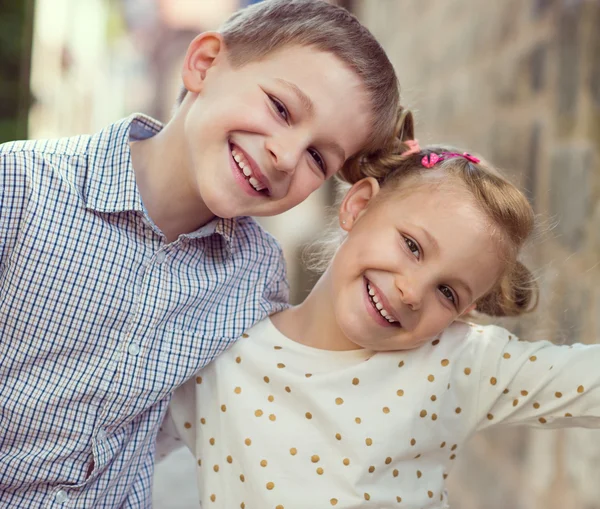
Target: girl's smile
379	307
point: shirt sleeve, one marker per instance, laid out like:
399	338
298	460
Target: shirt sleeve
534	383
276	292
176	428
13	197
167	439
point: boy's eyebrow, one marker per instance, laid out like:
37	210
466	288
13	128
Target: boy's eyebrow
306	101
333	146
309	107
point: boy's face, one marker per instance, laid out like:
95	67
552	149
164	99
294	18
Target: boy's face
262	137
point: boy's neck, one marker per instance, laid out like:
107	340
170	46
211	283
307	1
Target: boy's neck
313	322
166	183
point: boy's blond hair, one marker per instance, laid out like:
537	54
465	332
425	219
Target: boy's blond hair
256	31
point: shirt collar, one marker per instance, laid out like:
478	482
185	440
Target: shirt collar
225	227
110	183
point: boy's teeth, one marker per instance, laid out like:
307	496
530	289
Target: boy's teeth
245	167
375	299
378	306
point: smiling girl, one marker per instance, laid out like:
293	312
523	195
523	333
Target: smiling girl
364	394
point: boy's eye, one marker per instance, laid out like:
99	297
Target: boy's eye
280	107
449	294
318	159
413	247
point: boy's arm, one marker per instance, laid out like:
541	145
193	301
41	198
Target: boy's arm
168	439
176	429
14	195
276	292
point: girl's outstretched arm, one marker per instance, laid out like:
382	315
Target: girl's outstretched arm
534	383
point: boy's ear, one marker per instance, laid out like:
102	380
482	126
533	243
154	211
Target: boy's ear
356	200
204	52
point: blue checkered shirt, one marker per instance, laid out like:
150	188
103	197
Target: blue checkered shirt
101	319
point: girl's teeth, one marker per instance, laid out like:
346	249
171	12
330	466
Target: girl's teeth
253	181
383	312
246	171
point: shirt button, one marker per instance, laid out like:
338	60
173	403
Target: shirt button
61	496
133	349
101	434
160	257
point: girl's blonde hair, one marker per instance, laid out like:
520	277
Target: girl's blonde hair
506	207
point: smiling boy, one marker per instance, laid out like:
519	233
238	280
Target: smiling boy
128	262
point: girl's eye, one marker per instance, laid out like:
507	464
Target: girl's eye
280	107
449	294
318	159
413	247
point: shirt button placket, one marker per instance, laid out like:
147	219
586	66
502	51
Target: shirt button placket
133	348
61	496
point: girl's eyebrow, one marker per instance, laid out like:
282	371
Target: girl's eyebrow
431	240
434	246
466	288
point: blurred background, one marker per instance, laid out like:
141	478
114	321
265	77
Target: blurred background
516	80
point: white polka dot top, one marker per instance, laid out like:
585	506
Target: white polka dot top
276	424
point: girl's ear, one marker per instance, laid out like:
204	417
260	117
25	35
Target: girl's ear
356	201
204	52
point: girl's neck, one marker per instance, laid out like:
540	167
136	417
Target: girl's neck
313	323
165	178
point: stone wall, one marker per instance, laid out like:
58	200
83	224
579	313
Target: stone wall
519	81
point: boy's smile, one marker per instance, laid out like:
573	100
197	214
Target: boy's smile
251	140
262	137
247	173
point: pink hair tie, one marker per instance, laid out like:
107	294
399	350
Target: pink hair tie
413	147
430	160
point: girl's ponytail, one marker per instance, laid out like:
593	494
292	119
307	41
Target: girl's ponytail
515	294
381	163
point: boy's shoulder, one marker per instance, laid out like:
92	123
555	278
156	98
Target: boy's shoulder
111	137
68	146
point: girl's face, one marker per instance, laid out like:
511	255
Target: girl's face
412	263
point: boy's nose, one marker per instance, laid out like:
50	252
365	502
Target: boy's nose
285	154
